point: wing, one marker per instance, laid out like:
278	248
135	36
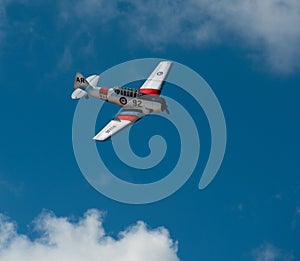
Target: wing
153	85
125	117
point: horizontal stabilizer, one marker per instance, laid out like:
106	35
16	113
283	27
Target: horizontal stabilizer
93	80
78	93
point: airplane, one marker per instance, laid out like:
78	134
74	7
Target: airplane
135	103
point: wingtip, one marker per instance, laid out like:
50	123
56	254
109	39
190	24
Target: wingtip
100	139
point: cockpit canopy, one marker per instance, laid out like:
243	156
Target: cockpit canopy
129	92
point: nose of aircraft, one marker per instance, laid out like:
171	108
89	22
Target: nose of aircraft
164	106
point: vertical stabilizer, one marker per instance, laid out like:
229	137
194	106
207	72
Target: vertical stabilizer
80	81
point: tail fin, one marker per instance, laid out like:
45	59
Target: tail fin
80	86
80	81
84	86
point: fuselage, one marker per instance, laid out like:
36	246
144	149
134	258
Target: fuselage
129	97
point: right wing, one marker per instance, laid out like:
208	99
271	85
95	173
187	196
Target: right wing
125	117
154	83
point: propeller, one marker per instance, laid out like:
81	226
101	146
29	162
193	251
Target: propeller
164	106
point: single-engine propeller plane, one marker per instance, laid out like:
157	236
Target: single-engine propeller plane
135	103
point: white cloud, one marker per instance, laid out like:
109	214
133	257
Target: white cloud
267	29
270	28
268	252
64	240
93	12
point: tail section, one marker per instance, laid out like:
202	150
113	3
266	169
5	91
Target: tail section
84	87
93	80
80	87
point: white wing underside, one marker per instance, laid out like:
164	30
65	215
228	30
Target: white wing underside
125	117
111	128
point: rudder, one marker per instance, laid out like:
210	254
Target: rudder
80	81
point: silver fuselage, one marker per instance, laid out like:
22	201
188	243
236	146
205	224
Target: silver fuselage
128	97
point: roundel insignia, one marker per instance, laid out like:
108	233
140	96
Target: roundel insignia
123	100
160	73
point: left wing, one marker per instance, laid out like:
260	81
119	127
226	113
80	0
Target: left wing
125	117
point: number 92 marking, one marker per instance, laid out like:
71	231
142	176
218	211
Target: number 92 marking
137	103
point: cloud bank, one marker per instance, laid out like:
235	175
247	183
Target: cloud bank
59	238
267	30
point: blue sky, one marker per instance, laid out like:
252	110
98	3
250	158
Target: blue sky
247	51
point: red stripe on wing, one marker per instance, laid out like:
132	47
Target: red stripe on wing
131	118
150	91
